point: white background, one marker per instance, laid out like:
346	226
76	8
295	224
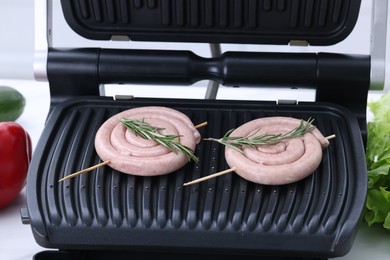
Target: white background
17	39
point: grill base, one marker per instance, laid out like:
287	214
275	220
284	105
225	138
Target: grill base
121	255
105	209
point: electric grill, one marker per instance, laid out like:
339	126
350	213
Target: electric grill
107	214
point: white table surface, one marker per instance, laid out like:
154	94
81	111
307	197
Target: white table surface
16	239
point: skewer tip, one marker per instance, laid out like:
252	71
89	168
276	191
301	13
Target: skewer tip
329	137
201	125
209	176
84	171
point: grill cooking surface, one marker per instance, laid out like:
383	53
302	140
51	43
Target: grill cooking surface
105	209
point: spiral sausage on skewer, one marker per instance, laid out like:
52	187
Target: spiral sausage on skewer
288	161
132	154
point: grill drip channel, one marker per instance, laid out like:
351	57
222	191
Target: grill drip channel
105	209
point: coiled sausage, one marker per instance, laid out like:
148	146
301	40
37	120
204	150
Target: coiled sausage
132	154
285	162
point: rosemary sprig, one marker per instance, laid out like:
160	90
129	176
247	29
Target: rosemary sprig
146	131
252	140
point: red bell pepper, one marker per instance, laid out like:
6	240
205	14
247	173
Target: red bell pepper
15	157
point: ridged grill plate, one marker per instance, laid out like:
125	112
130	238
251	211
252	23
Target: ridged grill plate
106	209
319	22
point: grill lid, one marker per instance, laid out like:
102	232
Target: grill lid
108	210
322	22
231	21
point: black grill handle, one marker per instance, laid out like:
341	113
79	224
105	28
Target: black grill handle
186	68
338	78
80	71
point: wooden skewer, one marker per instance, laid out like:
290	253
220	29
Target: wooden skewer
329	137
229	170
201	125
84	171
107	162
210	176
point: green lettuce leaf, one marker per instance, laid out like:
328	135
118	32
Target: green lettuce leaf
378	205
378	164
379	177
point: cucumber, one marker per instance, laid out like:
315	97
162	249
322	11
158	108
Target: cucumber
12	104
